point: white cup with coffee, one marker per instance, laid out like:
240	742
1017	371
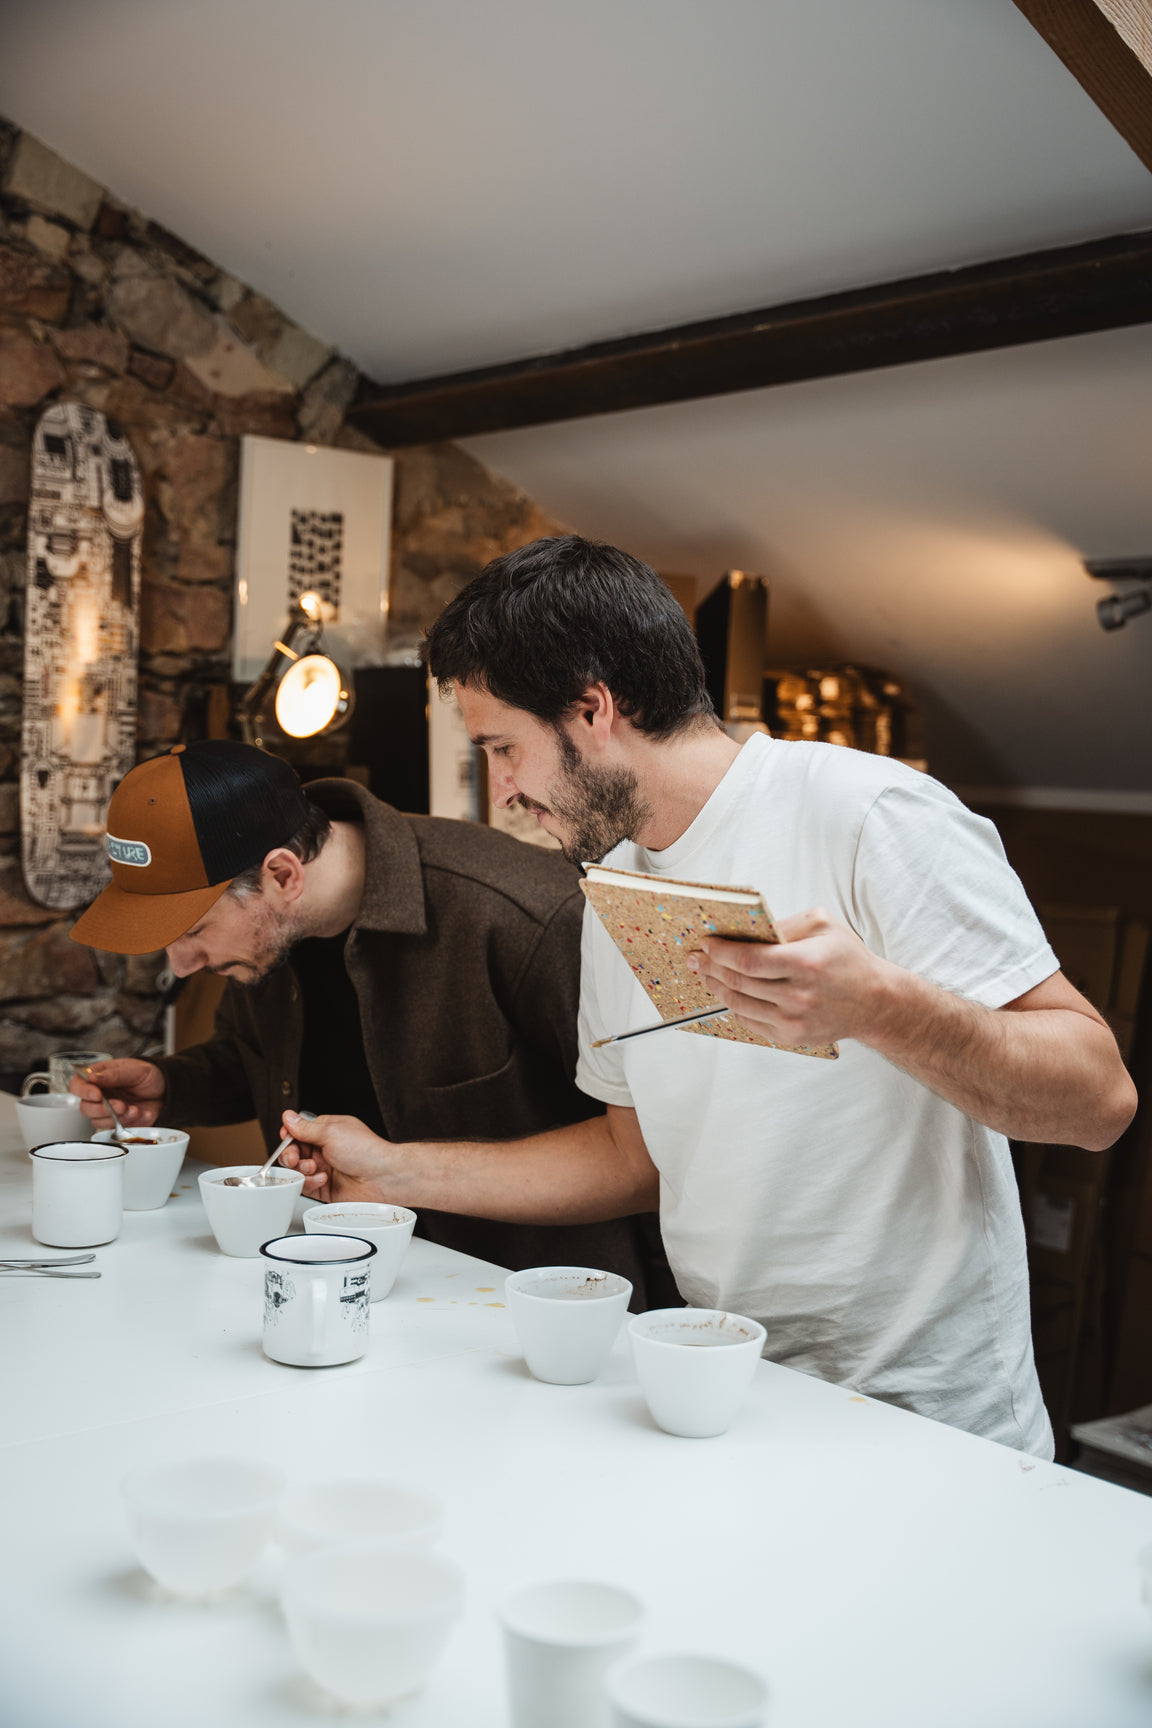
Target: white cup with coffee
242	1216
567	1319
46	1116
389	1227
695	1366
316	1294
77	1193
155	1156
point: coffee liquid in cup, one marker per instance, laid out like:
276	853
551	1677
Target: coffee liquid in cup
238	1181
568	1290
705	1341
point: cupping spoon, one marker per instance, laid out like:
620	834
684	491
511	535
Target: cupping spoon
260	1180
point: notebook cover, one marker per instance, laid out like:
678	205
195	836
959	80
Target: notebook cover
656	931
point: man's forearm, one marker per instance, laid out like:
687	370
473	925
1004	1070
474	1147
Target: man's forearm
583	1174
1050	1074
1044	1067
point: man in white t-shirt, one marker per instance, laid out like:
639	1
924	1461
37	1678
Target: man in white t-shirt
863	1210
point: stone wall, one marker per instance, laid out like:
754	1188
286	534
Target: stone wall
102	306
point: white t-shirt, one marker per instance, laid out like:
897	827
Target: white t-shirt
873	1228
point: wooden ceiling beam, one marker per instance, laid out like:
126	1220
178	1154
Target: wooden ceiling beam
1068	291
1107	47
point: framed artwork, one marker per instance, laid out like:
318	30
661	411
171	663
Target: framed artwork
312	519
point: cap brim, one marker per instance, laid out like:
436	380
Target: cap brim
123	923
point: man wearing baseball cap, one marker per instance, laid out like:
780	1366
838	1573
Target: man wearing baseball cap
417	975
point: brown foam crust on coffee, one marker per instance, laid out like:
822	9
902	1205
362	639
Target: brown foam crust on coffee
241	1182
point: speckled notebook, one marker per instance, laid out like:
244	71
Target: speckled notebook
656	922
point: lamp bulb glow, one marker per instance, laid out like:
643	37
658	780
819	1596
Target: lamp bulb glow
310	696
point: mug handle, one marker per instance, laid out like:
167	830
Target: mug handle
31	1081
317	1313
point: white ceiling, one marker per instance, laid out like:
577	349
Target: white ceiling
434	184
437	184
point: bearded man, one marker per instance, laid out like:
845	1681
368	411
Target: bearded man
864	1210
419	976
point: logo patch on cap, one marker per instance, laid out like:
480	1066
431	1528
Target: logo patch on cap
128	852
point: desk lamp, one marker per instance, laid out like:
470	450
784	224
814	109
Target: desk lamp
313	695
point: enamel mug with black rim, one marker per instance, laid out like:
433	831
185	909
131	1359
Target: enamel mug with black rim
316	1295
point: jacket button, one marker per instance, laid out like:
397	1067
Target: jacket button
286	1087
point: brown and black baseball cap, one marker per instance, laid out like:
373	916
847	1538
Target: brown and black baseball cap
180	828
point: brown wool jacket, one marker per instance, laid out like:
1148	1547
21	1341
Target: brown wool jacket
465	959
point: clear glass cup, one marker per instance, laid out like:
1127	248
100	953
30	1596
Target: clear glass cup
63	1065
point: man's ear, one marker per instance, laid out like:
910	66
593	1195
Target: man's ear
593	715
283	877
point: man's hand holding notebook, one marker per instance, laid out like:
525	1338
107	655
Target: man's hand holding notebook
661	927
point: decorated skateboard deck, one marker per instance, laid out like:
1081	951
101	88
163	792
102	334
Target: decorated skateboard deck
80	646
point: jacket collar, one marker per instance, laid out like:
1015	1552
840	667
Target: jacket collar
393	900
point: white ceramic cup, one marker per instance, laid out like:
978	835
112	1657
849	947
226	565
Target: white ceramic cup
390	1227
77	1194
567	1319
47	1116
200	1526
695	1366
368	1622
560	1639
243	1218
334	1514
155	1157
63	1066
316	1293
685	1692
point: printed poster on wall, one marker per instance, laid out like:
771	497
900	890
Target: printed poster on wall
312	520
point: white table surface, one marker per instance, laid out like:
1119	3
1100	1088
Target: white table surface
881	1570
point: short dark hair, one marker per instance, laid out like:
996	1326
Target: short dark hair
307	843
540	625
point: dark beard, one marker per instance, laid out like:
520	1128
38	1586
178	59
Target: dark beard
602	805
269	963
276	954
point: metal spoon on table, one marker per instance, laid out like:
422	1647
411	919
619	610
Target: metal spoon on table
42	1272
17	1261
260	1180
